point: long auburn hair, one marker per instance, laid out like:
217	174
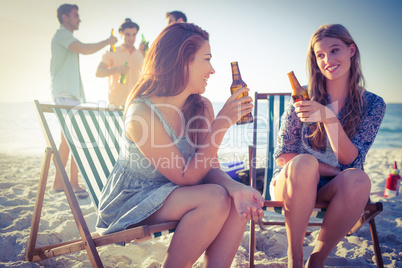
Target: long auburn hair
352	111
166	69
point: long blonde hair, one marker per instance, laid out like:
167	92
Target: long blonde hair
352	111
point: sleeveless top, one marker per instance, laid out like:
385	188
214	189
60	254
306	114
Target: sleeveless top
135	189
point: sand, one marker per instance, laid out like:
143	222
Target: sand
19	175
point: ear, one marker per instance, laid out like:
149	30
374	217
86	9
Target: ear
180	20
64	17
352	50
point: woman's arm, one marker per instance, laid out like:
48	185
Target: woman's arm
346	150
312	111
247	200
158	147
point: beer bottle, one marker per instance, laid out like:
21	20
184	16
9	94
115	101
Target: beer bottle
112	47
145	44
237	84
298	92
123	76
392	183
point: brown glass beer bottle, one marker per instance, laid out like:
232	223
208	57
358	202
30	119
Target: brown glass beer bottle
298	92
237	84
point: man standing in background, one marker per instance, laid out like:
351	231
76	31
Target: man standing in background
125	60
66	83
175	16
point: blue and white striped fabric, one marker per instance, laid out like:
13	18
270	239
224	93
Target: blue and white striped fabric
276	108
93	135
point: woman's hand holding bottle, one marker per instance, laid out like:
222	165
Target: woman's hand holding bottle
235	108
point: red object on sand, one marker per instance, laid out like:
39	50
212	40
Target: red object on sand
392	183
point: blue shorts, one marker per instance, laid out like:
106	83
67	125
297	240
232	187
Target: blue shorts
324	180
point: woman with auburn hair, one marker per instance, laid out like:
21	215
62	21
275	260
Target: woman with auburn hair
168	168
323	145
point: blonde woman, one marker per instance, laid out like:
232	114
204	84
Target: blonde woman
323	144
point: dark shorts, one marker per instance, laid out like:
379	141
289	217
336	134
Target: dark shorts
324	180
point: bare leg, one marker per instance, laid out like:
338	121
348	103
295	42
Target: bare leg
222	251
64	152
202	211
347	195
74	175
297	187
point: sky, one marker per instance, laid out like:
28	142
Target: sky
269	38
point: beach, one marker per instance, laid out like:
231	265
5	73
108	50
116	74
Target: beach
19	181
21	152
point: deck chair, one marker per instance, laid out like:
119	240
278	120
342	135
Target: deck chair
93	136
276	104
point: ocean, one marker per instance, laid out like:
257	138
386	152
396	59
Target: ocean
21	133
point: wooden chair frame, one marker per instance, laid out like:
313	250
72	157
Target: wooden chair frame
88	241
371	210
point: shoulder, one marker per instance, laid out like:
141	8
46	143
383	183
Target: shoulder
63	32
138	109
372	100
137	120
64	36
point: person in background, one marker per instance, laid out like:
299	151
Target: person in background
66	83
175	16
126	60
168	168
323	145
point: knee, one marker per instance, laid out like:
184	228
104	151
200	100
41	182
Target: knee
356	182
303	168
304	163
218	200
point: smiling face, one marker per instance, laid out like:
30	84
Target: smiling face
333	57
200	69
129	35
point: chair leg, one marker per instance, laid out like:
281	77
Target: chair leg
251	244
82	226
38	203
376	244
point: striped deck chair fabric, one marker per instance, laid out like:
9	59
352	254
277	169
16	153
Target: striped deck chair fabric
94	138
276	106
93	135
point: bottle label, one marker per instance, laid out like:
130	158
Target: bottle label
390	193
297	98
392	186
